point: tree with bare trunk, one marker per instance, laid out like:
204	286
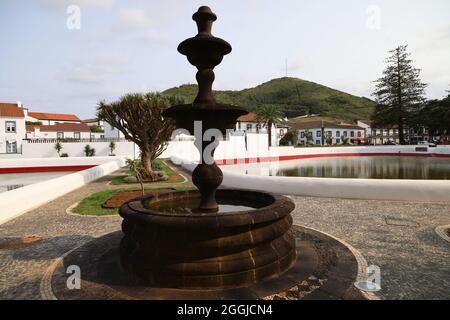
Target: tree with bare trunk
139	117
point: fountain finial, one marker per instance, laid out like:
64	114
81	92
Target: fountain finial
204	18
205	52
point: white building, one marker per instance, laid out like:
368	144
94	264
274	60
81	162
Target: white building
12	127
112	132
379	136
319	132
75	131
50	118
248	124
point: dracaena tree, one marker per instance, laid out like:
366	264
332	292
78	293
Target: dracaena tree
139	117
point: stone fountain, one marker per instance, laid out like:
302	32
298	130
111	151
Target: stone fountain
208	243
207	238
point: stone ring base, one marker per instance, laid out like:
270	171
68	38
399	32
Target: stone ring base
324	269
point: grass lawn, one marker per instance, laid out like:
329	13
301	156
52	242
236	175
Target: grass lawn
92	205
174	177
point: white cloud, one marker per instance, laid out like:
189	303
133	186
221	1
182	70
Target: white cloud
96	71
140	25
62	4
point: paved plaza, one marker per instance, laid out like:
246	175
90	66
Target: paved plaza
399	237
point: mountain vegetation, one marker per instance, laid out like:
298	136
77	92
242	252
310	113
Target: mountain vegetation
295	97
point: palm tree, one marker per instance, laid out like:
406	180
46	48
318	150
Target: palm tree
269	115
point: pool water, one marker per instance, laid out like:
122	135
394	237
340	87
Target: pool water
365	167
11	181
189	206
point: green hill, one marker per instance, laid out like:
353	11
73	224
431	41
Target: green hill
296	97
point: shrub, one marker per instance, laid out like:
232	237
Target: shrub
64	155
88	151
112	147
58	147
289	139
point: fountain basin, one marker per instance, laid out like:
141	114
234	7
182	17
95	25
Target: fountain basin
188	249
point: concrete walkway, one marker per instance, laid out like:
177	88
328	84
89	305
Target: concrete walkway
415	263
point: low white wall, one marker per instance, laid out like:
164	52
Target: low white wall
73	149
234	150
376	189
16	202
55	162
236	146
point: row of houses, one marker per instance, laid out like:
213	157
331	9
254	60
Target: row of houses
17	124
322	132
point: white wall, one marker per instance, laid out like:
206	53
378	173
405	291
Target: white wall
257	145
54	162
38	134
74	149
13	204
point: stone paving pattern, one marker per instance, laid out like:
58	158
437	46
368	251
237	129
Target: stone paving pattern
414	261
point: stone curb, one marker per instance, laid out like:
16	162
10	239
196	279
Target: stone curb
45	287
441	232
70	212
362	262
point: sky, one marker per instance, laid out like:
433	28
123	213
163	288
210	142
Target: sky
51	65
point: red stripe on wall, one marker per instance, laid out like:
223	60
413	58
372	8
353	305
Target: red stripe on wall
325	155
45	169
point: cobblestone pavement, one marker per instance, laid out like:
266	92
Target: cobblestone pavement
399	237
414	261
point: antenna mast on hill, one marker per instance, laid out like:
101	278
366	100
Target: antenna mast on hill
286	67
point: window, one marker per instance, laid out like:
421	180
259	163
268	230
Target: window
11	147
329	133
359	134
249	126
317	141
318	134
281	132
302	134
10	126
345	133
352	134
338	141
60	135
77	135
338	134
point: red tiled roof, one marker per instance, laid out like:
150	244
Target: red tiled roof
10	110
61	127
250	117
53	116
326	124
